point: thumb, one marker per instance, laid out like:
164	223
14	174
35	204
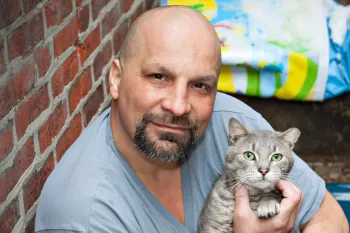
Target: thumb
242	206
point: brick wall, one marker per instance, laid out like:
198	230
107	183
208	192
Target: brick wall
54	57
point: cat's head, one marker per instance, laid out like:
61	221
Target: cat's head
259	158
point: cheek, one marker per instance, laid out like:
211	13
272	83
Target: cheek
202	111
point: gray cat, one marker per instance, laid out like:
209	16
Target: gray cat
257	160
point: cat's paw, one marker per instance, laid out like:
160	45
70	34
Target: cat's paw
268	208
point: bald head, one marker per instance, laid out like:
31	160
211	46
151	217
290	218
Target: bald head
172	23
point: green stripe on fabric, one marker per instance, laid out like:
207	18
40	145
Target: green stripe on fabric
253	82
278	82
310	80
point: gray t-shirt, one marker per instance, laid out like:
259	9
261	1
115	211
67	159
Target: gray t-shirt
94	189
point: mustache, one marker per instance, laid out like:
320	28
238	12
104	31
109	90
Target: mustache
182	121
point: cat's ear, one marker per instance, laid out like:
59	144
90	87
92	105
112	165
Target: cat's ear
290	136
236	130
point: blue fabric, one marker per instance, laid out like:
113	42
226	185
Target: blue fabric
338	80
94	189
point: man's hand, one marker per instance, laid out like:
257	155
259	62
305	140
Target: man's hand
246	221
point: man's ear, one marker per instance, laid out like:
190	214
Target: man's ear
114	79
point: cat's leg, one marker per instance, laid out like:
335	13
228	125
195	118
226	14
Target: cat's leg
268	206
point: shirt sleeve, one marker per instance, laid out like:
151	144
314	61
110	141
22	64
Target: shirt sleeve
312	186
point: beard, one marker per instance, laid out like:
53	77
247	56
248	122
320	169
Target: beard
167	147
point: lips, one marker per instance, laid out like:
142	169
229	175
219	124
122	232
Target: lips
171	128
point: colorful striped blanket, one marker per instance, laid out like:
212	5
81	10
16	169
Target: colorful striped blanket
278	49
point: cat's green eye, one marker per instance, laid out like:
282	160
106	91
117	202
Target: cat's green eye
249	156
276	157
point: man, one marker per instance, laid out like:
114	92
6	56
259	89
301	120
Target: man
147	164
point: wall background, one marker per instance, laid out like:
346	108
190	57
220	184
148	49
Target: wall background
54	57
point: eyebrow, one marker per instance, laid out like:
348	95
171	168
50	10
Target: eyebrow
164	69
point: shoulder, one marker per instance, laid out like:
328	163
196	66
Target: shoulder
226	107
70	191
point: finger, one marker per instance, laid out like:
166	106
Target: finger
242	206
292	196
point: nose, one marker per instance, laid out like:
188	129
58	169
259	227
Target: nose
177	100
264	171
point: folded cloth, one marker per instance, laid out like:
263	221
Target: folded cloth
276	49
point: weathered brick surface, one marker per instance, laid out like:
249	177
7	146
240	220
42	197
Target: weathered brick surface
14	89
3	67
52	126
57	11
9	217
97	6
9	11
119	36
43	60
48	52
83	18
30	226
64	74
32	188
111	19
30	110
6	142
92	105
9	178
102	59
66	37
30	4
69	136
80	89
25	37
89	45
127	5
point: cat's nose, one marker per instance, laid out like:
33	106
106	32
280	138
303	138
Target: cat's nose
263	172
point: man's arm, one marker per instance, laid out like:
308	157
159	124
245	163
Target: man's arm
329	218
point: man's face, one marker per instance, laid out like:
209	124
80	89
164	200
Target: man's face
166	96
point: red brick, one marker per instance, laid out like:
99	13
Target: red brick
9	11
26	37
52	126
149	4
30	110
35	183
127	5
42	59
93	104
14	89
65	38
96	6
9	217
68	137
80	89
64	74
78	2
111	19
10	177
137	13
119	36
102	59
89	45
107	83
84	18
30	4
57	11
30	225
6	142
2	59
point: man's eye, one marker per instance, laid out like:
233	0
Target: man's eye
201	86
158	76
